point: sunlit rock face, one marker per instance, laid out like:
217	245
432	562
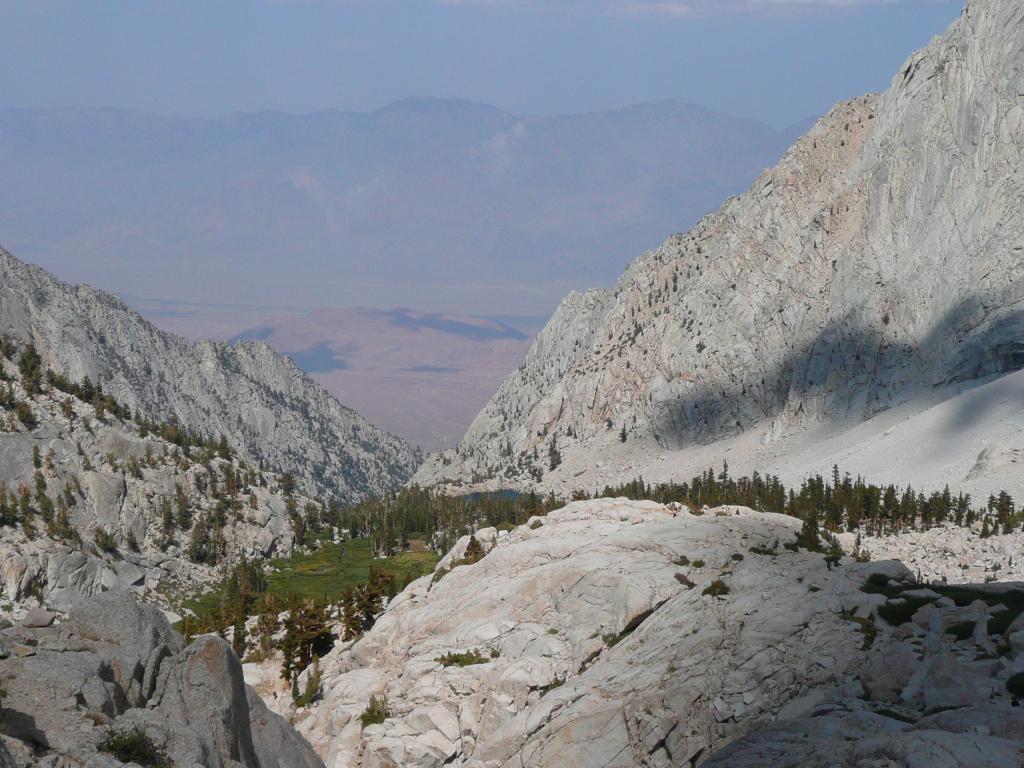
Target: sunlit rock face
266	407
881	259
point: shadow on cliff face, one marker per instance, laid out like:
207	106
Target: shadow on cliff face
850	373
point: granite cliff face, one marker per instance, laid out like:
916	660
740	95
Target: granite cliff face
267	408
882	259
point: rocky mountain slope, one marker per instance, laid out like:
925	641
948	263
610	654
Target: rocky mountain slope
114	686
880	262
90	501
269	410
620	633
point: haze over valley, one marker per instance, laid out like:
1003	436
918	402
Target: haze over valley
424	376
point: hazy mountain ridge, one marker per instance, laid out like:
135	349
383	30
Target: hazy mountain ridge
518	209
881	258
268	409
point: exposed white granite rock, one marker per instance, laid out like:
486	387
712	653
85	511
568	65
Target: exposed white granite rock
593	651
114	480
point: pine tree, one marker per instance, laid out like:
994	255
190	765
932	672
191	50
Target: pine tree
474	551
351	621
266	626
30	367
239	640
554	456
306	634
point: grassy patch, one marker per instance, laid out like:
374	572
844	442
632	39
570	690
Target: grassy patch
325	574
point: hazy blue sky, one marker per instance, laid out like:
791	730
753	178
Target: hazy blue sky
779	60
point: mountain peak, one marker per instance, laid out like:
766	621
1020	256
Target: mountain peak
877	263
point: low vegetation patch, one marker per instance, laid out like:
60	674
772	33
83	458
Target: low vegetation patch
962	630
104	540
903	606
900	610
685	580
867	628
1011	599
464	658
324	575
716	588
558	682
311	693
878	584
135	746
376	712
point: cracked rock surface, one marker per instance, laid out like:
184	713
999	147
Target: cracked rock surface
115	666
598	640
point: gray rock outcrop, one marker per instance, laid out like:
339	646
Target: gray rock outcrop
116	667
111	505
618	633
927	700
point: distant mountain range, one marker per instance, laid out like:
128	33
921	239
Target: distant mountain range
439	204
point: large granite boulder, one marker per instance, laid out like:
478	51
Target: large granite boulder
576	645
117	667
